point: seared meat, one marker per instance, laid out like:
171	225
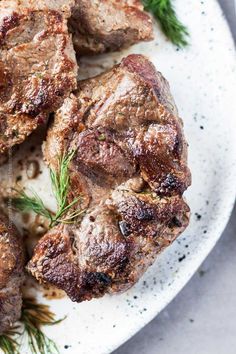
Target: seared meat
130	166
37	65
114	245
108	25
11	274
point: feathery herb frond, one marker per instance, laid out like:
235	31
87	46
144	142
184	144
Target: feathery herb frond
8	343
60	180
26	203
34	316
164	12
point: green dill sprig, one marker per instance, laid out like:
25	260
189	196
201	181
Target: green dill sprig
33	317
60	180
164	12
8	343
26	203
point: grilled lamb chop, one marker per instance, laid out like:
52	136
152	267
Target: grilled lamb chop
11	274
130	167
108	25
37	65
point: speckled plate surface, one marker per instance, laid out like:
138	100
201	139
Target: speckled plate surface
203	82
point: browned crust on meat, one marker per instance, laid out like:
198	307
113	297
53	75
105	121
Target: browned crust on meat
11	274
88	263
131	168
37	69
108	25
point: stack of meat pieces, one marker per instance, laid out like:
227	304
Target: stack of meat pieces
38	69
130	162
130	168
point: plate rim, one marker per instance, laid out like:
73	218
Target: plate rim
229	202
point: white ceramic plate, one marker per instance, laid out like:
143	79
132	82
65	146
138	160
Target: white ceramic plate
203	82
